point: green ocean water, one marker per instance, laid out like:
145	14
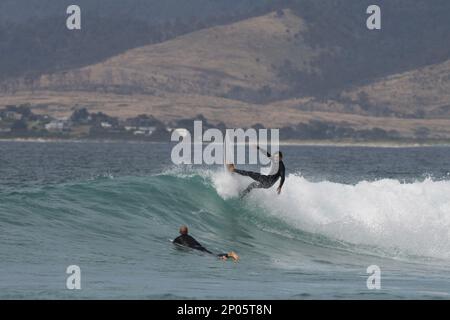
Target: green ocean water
112	209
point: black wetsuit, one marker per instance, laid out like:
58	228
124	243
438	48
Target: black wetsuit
186	240
263	181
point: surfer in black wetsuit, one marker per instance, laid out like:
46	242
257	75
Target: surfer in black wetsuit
277	170
186	240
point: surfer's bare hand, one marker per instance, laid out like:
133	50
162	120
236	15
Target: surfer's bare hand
279	190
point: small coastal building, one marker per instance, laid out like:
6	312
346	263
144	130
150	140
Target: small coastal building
130	128
106	125
181	132
146	131
12	115
58	126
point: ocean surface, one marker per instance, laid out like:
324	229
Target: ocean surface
112	209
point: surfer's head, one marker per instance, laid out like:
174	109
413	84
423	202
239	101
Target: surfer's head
183	230
278	156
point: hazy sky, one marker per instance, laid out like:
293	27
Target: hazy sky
21	10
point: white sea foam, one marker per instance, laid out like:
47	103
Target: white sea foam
413	218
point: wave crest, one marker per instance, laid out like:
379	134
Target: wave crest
404	218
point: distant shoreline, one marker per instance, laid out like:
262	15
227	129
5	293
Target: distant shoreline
318	143
369	144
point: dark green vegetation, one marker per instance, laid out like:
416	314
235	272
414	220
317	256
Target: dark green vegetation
21	122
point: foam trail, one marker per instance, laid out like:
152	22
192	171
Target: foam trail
405	218
227	185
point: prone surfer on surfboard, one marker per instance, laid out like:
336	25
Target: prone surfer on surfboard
277	170
186	240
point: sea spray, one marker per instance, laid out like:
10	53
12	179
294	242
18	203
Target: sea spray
413	218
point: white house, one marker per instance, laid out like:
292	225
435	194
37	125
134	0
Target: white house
180	132
57	126
13	115
147	131
106	125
